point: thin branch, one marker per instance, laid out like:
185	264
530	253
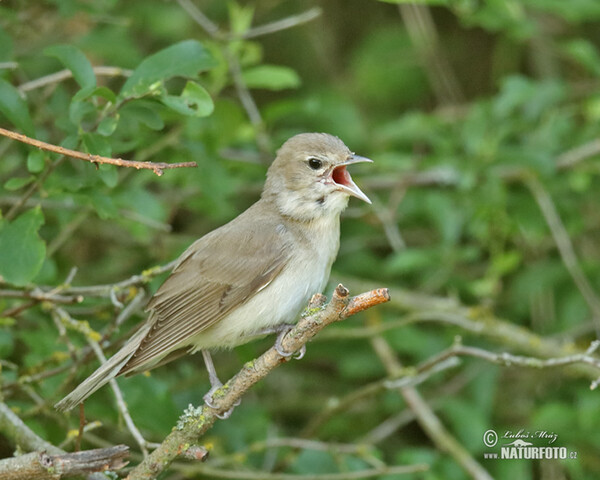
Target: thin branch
157	168
42	466
141	441
196	14
278	25
14	209
105	289
509	360
196	421
40	296
564	245
428	420
356	475
421	29
65	74
572	157
241	88
15	430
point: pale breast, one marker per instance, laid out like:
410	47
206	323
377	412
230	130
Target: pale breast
286	295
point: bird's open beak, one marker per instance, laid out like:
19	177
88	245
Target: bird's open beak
343	180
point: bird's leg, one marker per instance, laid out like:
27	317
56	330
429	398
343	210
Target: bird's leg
215	384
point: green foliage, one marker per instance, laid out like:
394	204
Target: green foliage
22	251
454	214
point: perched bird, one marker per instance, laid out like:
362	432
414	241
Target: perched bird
253	274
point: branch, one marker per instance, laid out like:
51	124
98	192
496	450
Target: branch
64	74
426	417
15	430
508	360
378	472
41	466
196	421
157	168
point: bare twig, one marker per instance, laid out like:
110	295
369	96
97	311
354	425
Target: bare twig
423	34
157	168
15	430
196	421
278	25
40	296
564	245
509	360
65	74
428	420
66	319
572	157
383	471
196	14
42	466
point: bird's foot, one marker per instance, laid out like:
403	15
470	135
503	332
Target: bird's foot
282	332
209	401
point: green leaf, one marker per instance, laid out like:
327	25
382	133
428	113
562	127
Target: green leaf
22	251
584	52
74	59
17	183
96	144
194	101
108	125
109	175
14	108
184	59
93	91
271	77
143	111
36	161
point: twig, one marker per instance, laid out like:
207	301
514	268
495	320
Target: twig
40	296
66	318
572	157
196	421
423	34
65	74
564	245
241	88
356	475
157	168
509	360
196	14
14	209
15	430
428	420
278	25
105	290
42	466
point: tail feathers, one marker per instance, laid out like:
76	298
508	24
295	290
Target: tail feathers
103	374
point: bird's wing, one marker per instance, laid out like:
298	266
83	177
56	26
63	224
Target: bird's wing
208	283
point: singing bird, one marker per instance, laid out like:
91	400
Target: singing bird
253	275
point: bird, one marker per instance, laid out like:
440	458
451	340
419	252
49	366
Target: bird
251	276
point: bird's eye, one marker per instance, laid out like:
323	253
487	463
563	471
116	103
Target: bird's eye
315	163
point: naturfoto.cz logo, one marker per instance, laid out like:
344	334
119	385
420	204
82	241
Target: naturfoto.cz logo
523	449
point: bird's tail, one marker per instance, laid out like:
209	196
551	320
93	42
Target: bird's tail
104	374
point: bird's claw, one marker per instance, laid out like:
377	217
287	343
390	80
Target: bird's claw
279	348
209	401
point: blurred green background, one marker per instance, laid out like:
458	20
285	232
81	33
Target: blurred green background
482	118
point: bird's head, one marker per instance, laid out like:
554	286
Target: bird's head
308	179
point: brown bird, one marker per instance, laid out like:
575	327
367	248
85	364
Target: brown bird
252	275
